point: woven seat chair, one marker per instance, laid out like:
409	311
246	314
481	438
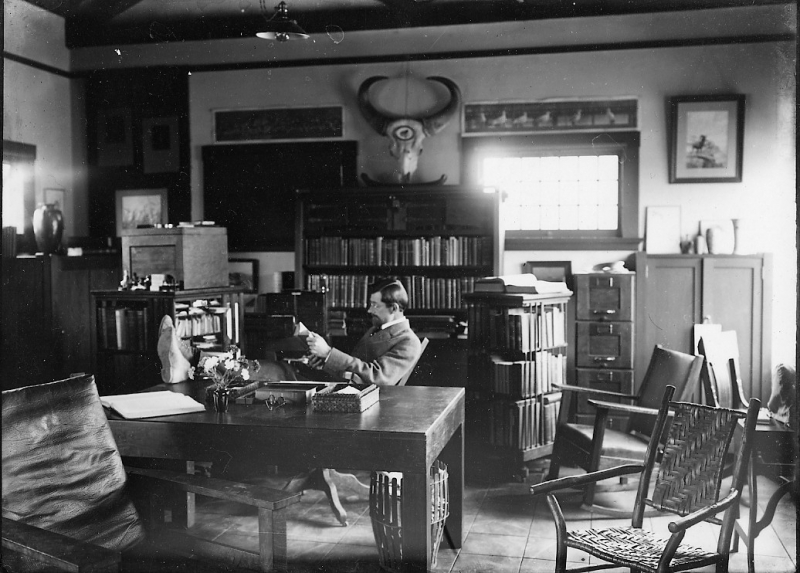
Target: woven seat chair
687	483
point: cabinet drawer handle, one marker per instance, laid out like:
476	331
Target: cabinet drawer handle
604	311
604	358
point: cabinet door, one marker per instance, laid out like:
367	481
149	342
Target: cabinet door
670	308
733	297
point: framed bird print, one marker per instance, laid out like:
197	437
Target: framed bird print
706	138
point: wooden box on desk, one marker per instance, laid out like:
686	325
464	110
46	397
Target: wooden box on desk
198	256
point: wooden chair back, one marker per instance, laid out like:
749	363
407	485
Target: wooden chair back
689	476
722	385
667	368
423	345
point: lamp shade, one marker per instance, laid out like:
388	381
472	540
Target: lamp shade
281	28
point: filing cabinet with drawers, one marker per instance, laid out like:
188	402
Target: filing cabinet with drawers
604	338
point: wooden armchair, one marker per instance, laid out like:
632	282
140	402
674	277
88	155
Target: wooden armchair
598	447
68	502
687	483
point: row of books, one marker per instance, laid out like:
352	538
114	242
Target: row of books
351	291
523	329
382	251
124	328
188	324
527	378
524	424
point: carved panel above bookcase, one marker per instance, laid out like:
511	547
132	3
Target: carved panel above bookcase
436	240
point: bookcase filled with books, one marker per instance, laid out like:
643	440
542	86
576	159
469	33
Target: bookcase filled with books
126	333
517	354
437	240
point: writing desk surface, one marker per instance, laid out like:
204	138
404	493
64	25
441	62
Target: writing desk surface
406	409
405	430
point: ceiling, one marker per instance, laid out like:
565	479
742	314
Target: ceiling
114	22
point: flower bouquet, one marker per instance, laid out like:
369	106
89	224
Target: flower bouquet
225	370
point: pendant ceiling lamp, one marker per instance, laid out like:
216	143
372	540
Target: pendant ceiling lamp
280	27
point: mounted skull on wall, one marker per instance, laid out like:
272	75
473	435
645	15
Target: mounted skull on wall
406	134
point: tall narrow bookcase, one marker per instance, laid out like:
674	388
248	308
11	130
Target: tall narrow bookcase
436	239
517	352
126	333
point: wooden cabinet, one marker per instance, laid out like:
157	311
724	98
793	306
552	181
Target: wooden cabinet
604	338
436	240
48	314
517	352
675	292
126	330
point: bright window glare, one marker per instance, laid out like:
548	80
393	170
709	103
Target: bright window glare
557	192
13	196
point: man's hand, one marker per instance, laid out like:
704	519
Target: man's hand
317	345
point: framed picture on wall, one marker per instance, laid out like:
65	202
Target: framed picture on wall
706	138
243	273
114	137
141	207
160	149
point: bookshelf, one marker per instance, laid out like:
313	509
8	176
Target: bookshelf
435	239
517	354
126	330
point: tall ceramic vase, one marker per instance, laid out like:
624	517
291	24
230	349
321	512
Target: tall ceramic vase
48	226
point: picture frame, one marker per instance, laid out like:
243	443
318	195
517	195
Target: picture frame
114	137
160	145
706	138
550	271
135	207
278	124
53	196
243	273
663	230
489	118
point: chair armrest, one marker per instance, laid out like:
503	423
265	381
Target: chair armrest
584	479
57	550
257	496
703	514
623	407
582	390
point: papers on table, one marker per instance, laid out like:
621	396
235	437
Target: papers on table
151	404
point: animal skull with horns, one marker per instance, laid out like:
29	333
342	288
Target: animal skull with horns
407	133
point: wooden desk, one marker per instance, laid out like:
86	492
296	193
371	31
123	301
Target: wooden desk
406	431
773	455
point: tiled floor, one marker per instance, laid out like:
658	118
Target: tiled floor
506	531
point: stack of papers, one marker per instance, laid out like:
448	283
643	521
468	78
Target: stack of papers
151	404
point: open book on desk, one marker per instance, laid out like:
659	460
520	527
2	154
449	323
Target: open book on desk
151	404
525	283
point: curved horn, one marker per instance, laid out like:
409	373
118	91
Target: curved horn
436	122
376	119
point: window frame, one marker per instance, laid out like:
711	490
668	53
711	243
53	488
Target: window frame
16	152
476	149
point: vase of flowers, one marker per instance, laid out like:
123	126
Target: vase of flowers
224	370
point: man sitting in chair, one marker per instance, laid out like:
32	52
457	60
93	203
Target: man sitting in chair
385	353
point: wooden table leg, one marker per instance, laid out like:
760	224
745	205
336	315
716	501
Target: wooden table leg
416	512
